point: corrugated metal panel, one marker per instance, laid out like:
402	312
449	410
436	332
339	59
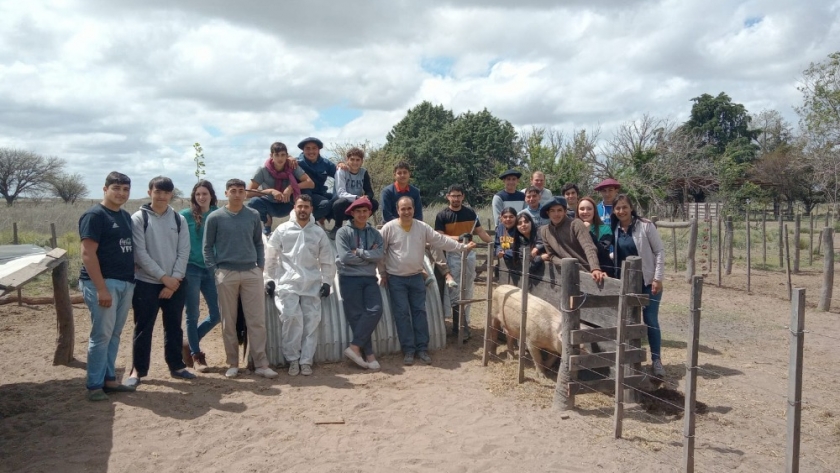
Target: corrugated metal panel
334	334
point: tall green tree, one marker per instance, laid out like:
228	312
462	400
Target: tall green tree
717	121
444	149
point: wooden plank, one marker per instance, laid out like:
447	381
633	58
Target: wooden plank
604	334
602	360
570	320
33	270
593	301
606	386
661	224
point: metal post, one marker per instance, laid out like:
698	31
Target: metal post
523	319
489	302
691	373
462	308
730	236
794	402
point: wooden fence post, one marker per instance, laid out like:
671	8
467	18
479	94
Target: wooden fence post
692	250
489	302
796	223
811	244
828	270
730	235
781	240
720	249
691	373
674	239
708	217
631	271
749	251
53	237
794	407
570	320
64	342
787	266
523	317
15	241
462	321
764	238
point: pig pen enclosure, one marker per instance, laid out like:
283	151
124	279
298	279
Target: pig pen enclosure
789	404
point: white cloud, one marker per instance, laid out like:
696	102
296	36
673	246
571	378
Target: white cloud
108	85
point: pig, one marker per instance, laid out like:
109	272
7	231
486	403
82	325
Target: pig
543	333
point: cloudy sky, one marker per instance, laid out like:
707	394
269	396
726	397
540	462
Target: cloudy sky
130	86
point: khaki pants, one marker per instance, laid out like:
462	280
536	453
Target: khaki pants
249	286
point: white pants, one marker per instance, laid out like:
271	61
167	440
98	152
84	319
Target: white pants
453	259
300	316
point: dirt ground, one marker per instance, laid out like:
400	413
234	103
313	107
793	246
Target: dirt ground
455	415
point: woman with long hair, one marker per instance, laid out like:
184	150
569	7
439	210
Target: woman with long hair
200	280
600	232
527	240
636	236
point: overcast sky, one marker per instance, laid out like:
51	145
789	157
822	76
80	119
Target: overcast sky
109	86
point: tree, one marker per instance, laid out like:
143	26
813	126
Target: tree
820	120
444	149
717	121
24	171
561	159
69	187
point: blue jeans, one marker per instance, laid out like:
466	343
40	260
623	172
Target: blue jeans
408	305
266	205
650	315
106	324
200	281
321	204
362	308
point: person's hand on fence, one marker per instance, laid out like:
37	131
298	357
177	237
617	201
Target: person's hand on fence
470	246
655	287
598	275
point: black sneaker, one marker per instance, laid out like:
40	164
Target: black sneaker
408	360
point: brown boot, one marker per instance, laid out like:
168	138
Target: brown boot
200	362
186	354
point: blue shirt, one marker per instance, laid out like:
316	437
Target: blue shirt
318	171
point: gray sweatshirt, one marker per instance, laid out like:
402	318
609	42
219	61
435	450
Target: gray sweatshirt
159	249
233	241
356	253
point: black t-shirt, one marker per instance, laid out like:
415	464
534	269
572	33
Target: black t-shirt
455	223
112	230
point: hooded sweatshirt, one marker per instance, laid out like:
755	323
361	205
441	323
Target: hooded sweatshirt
160	249
356	255
299	259
318	171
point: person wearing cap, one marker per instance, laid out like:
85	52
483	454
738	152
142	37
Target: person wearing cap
538	181
401	271
509	196
609	190
564	237
459	223
359	249
318	169
351	184
301	262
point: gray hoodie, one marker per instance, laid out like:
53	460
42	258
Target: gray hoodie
159	249
356	253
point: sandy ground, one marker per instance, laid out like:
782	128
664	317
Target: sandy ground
455	415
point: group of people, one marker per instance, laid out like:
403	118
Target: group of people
534	224
159	260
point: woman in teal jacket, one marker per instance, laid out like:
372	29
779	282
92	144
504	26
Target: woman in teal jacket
199	279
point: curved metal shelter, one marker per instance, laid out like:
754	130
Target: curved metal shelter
334	335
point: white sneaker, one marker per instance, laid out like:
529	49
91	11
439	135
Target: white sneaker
294	368
306	370
266	372
231	372
373	365
658	369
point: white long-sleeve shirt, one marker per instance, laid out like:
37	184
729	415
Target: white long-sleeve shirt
404	250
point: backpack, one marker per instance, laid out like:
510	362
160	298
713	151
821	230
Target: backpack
146	221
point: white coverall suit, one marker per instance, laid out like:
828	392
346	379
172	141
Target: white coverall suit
299	260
